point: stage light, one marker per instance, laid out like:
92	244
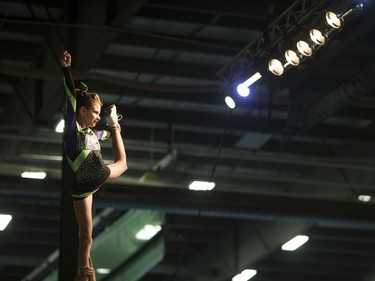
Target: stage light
276	67
304	48
253	78
317	37
292	58
230	102
4	221
243	88
333	20
307	46
336	20
286	49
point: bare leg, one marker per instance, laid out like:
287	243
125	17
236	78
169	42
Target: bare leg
120	164
83	212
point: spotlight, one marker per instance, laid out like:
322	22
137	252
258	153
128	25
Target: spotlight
312	43
320	33
317	37
333	20
230	102
292	58
278	66
304	48
243	88
336	20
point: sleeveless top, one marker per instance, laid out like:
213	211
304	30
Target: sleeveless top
82	147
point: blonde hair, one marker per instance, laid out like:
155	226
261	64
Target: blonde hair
87	100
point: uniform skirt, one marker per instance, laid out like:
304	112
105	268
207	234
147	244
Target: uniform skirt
90	176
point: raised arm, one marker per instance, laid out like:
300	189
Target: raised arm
70	94
65	61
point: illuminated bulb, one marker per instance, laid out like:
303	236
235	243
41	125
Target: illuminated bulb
333	20
276	67
317	37
230	102
304	48
292	57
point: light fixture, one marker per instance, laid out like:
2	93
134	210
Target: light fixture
102	270
333	20
229	101
201	185
4	221
243	88
33	175
317	37
295	243
147	232
336	20
304	48
60	126
245	275
278	66
311	42
315	40
292	58
364	198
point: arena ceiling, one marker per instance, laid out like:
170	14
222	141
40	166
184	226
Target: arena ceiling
292	159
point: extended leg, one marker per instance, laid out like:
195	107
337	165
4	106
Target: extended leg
120	164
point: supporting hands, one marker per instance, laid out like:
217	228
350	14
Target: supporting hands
65	59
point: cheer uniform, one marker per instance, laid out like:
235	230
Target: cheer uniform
82	147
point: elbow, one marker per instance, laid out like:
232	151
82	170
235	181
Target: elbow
125	167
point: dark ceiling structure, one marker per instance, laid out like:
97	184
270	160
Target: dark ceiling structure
292	159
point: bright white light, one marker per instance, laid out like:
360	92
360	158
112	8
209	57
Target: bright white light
201	185
147	232
276	67
4	221
255	77
60	126
333	20
230	102
245	275
103	270
317	37
34	175
295	243
243	90
304	48
292	57
364	198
